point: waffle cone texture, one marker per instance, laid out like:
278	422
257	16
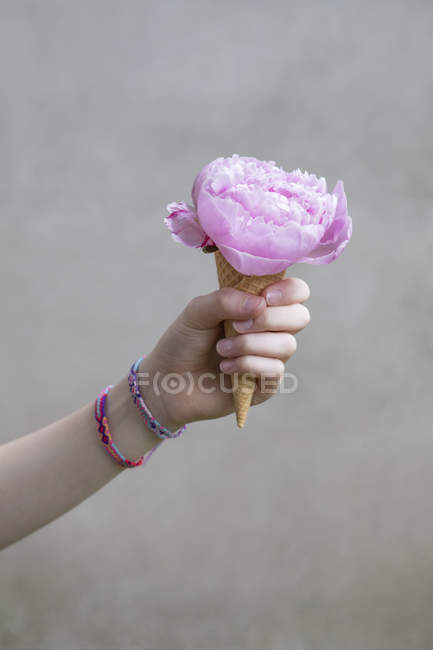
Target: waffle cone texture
244	385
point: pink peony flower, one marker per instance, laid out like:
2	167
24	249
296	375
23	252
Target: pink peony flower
262	218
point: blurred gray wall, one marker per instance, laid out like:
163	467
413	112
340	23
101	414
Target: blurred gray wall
312	528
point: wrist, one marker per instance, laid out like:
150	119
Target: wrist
129	431
155	399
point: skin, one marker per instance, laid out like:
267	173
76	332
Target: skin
49	471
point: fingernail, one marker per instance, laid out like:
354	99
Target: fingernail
242	325
274	297
251	303
223	346
226	365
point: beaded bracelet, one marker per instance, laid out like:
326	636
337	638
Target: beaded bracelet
106	439
153	424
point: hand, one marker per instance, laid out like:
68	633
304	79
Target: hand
195	348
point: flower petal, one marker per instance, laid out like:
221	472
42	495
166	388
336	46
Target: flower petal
184	225
249	264
336	236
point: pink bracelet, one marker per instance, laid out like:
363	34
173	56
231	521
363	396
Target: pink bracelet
106	439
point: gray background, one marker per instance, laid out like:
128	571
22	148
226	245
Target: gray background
312	529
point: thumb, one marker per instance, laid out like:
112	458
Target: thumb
208	311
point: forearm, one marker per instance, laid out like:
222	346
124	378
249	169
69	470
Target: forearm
46	473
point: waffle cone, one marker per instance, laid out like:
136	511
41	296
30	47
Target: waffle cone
243	387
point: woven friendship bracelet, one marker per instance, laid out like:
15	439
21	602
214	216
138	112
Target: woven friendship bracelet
106	439
153	424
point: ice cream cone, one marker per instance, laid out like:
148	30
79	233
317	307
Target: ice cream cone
228	276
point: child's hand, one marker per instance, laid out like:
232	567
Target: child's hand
188	370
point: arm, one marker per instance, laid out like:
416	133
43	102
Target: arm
46	473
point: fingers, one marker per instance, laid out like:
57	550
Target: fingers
290	318
279	345
253	365
265	388
266	339
286	292
261	355
207	311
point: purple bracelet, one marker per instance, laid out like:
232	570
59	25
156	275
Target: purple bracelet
106	439
153	424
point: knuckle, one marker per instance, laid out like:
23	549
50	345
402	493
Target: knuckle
279	370
291	344
276	373
244	364
303	290
193	305
225	297
304	315
224	293
243	344
263	321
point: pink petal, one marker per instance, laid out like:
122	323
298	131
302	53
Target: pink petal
336	236
184	225
252	264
